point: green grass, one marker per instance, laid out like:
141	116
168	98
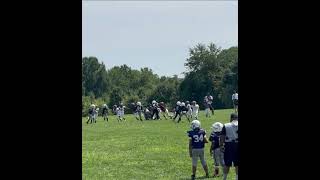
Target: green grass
143	150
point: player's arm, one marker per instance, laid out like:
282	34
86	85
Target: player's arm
205	139
222	138
211	147
190	147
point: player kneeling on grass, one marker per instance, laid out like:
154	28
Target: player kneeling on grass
105	112
196	147
229	145
215	151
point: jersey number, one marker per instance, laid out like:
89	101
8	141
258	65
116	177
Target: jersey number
198	138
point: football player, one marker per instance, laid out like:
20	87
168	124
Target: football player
114	110
120	112
91	113
177	111
215	152
229	145
197	142
147	113
235	101
155	110
105	112
183	111
95	115
163	110
189	110
138	111
210	104
206	106
195	110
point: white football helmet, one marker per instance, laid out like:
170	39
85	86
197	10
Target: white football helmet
153	102
104	105
217	127
139	103
97	109
178	103
93	106
195	124
183	104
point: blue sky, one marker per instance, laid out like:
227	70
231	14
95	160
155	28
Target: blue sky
155	34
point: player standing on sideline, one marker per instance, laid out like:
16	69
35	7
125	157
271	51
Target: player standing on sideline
105	112
215	151
210	104
229	145
196	147
206	106
195	110
235	101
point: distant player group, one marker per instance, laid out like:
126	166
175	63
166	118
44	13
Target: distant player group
154	111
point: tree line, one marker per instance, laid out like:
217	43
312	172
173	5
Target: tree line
209	70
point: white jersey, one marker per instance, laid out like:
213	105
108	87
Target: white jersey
235	96
195	108
189	107
121	111
231	131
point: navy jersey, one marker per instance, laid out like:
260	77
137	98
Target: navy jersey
183	108
104	110
139	108
90	111
178	108
214	138
197	138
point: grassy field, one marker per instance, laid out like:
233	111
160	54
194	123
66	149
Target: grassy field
155	149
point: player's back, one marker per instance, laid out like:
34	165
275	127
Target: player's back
215	138
195	107
197	138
